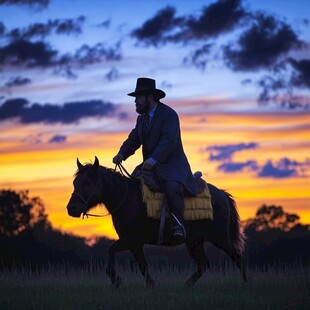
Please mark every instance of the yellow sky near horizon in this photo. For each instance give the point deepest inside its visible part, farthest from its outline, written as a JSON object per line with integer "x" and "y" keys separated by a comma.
{"x": 46, "y": 169}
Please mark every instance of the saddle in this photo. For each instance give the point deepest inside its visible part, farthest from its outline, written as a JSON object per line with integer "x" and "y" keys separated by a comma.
{"x": 196, "y": 207}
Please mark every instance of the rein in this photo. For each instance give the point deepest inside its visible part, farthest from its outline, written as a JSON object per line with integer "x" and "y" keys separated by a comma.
{"x": 86, "y": 201}
{"x": 122, "y": 170}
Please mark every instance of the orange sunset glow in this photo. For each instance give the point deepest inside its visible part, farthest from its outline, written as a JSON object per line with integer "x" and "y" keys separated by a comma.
{"x": 245, "y": 120}
{"x": 47, "y": 171}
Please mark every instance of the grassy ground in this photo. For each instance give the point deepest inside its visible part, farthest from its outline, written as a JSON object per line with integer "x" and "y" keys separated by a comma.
{"x": 89, "y": 288}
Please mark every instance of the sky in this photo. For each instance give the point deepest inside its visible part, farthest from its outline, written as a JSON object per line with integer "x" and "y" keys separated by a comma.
{"x": 237, "y": 72}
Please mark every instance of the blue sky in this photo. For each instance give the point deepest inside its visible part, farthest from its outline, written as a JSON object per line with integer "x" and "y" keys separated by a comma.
{"x": 135, "y": 57}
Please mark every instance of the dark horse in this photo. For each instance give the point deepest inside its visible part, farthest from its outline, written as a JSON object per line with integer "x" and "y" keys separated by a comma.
{"x": 95, "y": 184}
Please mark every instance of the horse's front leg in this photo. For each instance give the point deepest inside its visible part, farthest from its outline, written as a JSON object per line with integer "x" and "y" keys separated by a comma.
{"x": 118, "y": 245}
{"x": 138, "y": 254}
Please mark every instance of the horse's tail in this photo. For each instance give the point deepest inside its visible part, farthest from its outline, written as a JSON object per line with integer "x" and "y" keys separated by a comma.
{"x": 236, "y": 231}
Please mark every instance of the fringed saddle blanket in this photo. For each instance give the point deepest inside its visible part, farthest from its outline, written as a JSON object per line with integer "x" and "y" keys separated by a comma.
{"x": 196, "y": 208}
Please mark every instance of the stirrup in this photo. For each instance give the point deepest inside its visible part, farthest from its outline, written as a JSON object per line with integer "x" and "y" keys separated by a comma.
{"x": 180, "y": 225}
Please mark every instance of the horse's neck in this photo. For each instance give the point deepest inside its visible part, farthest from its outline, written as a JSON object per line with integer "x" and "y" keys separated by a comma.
{"x": 115, "y": 188}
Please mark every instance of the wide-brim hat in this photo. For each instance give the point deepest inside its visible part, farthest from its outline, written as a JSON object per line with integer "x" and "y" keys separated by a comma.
{"x": 147, "y": 86}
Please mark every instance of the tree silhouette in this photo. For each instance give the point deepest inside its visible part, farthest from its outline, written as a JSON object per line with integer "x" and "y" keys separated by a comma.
{"x": 272, "y": 217}
{"x": 19, "y": 212}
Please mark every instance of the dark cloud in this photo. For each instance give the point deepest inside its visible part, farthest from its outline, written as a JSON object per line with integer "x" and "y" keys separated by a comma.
{"x": 200, "y": 57}
{"x": 68, "y": 113}
{"x": 112, "y": 75}
{"x": 284, "y": 168}
{"x": 28, "y": 47}
{"x": 86, "y": 54}
{"x": 301, "y": 75}
{"x": 262, "y": 45}
{"x": 153, "y": 31}
{"x": 58, "y": 139}
{"x": 57, "y": 26}
{"x": 22, "y": 52}
{"x": 69, "y": 26}
{"x": 12, "y": 108}
{"x": 40, "y": 54}
{"x": 17, "y": 81}
{"x": 282, "y": 84}
{"x": 232, "y": 167}
{"x": 213, "y": 20}
{"x": 266, "y": 45}
{"x": 30, "y": 3}
{"x": 225, "y": 152}
{"x": 264, "y": 42}
{"x": 105, "y": 24}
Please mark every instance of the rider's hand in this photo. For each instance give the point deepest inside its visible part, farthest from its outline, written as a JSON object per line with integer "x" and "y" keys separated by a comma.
{"x": 118, "y": 159}
{"x": 149, "y": 164}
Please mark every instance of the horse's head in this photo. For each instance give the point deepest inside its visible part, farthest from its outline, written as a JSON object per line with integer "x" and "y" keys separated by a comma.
{"x": 86, "y": 193}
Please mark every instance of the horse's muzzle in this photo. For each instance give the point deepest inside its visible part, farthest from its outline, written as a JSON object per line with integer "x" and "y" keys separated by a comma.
{"x": 74, "y": 211}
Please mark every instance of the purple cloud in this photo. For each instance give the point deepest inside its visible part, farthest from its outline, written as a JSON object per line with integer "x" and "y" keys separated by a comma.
{"x": 265, "y": 42}
{"x": 232, "y": 167}
{"x": 301, "y": 75}
{"x": 17, "y": 81}
{"x": 153, "y": 31}
{"x": 284, "y": 168}
{"x": 22, "y": 52}
{"x": 262, "y": 44}
{"x": 41, "y": 54}
{"x": 58, "y": 26}
{"x": 58, "y": 139}
{"x": 112, "y": 75}
{"x": 215, "y": 19}
{"x": 279, "y": 87}
{"x": 67, "y": 113}
{"x": 225, "y": 152}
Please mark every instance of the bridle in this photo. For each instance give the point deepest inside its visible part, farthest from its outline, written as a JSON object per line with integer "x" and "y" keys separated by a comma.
{"x": 86, "y": 201}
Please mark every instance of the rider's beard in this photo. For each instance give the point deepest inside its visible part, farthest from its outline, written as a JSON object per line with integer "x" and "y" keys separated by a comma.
{"x": 144, "y": 108}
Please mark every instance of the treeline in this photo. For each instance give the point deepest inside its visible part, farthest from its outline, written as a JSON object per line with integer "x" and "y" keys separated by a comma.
{"x": 28, "y": 238}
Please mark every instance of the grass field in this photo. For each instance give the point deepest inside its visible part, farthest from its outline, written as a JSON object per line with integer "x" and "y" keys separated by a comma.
{"x": 284, "y": 287}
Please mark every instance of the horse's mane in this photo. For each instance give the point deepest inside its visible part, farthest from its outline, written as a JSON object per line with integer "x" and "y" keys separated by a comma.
{"x": 112, "y": 172}
{"x": 78, "y": 171}
{"x": 104, "y": 171}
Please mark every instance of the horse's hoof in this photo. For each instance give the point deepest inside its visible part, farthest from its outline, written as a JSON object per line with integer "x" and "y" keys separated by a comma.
{"x": 150, "y": 283}
{"x": 117, "y": 282}
{"x": 189, "y": 284}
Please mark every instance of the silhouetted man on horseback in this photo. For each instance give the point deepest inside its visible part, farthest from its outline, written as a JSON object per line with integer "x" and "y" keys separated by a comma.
{"x": 158, "y": 131}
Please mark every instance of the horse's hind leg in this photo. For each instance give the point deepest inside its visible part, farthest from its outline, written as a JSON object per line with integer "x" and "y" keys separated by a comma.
{"x": 140, "y": 258}
{"x": 236, "y": 258}
{"x": 240, "y": 263}
{"x": 196, "y": 251}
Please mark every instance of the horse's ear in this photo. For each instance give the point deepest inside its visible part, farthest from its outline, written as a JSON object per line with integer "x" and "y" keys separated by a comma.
{"x": 80, "y": 166}
{"x": 96, "y": 163}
